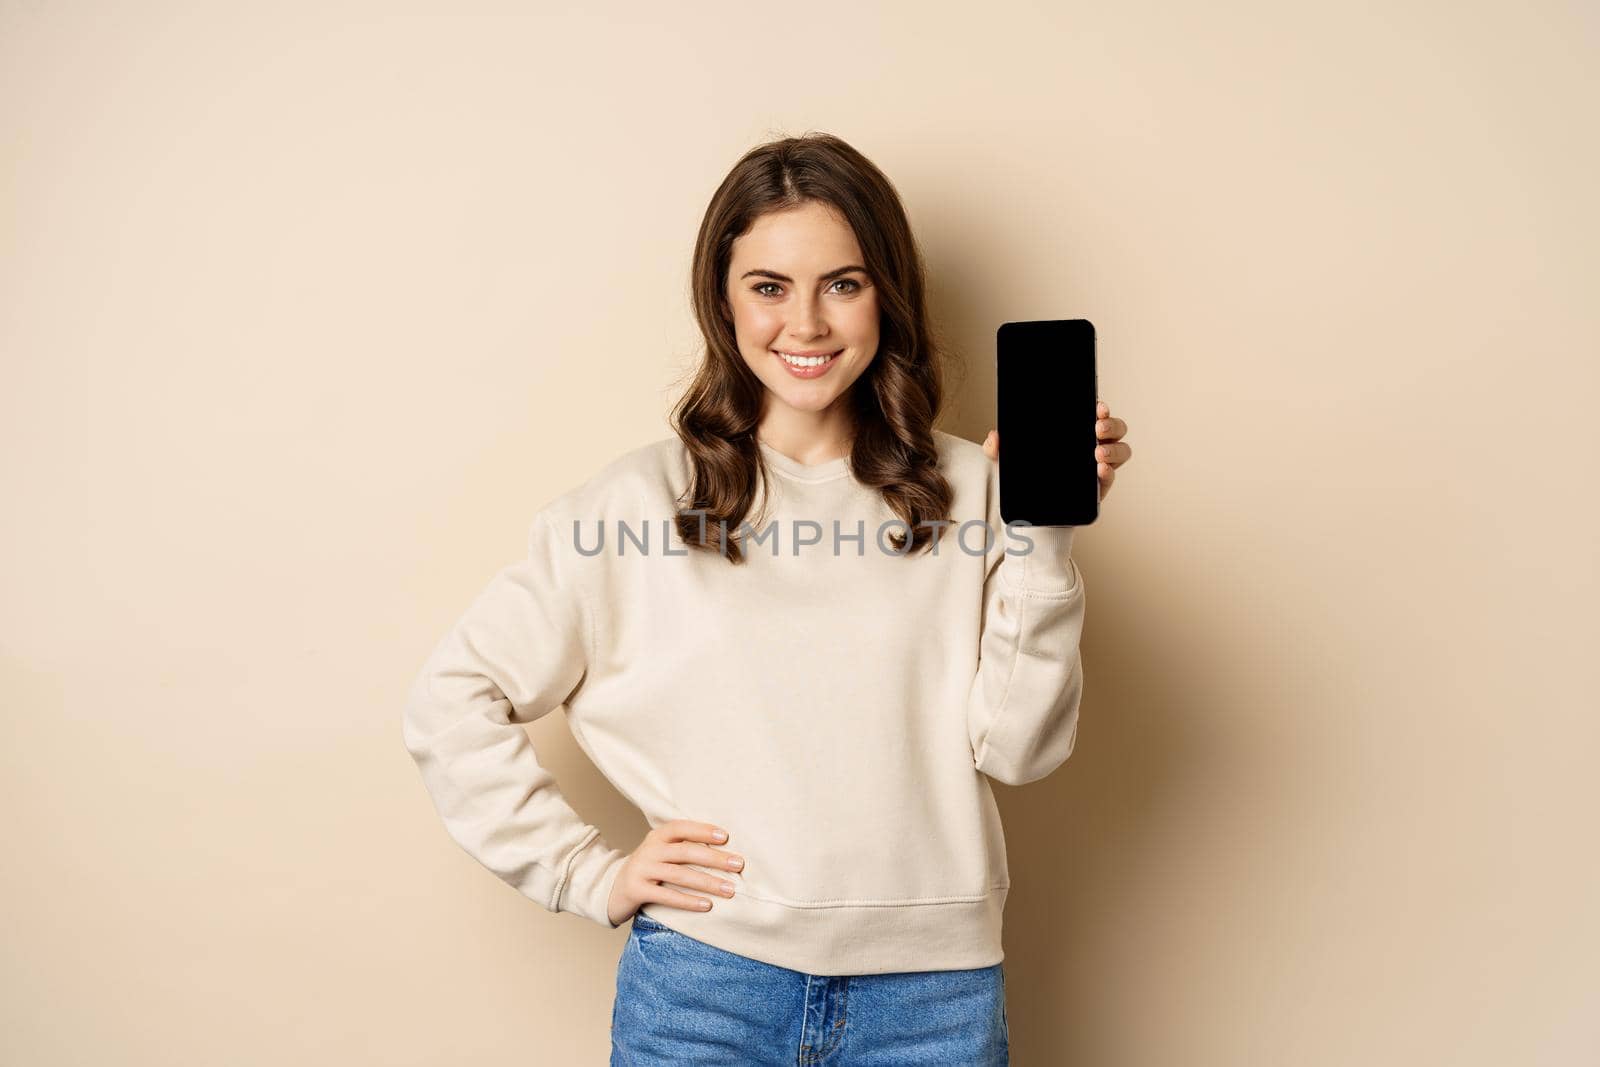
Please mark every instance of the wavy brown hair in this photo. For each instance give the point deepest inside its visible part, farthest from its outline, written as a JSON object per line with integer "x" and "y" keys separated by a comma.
{"x": 893, "y": 404}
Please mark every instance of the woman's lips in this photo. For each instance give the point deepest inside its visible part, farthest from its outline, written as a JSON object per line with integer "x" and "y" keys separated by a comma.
{"x": 807, "y": 372}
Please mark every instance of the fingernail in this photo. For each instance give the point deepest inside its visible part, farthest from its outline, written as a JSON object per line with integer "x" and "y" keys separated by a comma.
{"x": 720, "y": 835}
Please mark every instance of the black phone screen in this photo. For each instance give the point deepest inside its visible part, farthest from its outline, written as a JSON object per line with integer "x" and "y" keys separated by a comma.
{"x": 1047, "y": 396}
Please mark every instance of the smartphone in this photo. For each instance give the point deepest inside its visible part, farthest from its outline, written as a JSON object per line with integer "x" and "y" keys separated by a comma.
{"x": 1047, "y": 394}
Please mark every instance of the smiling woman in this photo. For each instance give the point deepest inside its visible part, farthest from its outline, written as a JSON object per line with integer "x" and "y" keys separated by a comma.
{"x": 808, "y": 287}
{"x": 821, "y": 331}
{"x": 831, "y": 712}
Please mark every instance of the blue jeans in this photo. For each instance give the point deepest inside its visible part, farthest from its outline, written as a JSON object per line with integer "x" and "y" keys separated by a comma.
{"x": 682, "y": 1001}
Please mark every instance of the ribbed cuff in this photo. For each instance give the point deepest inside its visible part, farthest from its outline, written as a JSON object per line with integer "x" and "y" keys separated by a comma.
{"x": 1047, "y": 567}
{"x": 590, "y": 879}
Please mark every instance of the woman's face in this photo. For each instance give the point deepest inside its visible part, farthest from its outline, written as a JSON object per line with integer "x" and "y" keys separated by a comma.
{"x": 796, "y": 284}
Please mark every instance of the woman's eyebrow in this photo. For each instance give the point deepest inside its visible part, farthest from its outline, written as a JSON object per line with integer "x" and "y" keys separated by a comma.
{"x": 834, "y": 273}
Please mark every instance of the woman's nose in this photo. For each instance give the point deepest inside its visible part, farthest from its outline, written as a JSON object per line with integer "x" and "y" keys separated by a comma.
{"x": 808, "y": 320}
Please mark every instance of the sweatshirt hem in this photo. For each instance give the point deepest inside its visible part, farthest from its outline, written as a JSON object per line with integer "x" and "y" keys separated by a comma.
{"x": 849, "y": 939}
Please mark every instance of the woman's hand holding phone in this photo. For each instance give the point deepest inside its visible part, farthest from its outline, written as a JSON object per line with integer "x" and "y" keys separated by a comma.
{"x": 1110, "y": 451}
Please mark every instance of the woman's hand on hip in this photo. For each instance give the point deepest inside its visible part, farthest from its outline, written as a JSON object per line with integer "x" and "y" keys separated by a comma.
{"x": 661, "y": 861}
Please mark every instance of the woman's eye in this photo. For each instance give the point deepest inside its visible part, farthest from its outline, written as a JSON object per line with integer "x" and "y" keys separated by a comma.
{"x": 761, "y": 289}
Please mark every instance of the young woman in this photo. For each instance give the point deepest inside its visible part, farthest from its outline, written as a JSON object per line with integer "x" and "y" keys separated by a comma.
{"x": 797, "y": 635}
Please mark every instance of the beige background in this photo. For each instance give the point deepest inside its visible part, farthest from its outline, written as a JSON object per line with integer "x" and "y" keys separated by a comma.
{"x": 305, "y": 309}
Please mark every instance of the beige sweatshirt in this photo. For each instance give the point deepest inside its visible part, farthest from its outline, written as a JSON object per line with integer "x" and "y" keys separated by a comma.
{"x": 833, "y": 704}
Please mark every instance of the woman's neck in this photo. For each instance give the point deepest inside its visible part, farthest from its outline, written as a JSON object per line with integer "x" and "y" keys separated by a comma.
{"x": 807, "y": 441}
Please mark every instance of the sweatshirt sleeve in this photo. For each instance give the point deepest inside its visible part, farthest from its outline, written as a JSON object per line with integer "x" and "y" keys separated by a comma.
{"x": 519, "y": 651}
{"x": 1022, "y": 713}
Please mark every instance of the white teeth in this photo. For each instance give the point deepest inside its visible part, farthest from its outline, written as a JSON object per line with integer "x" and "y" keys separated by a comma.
{"x": 805, "y": 361}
